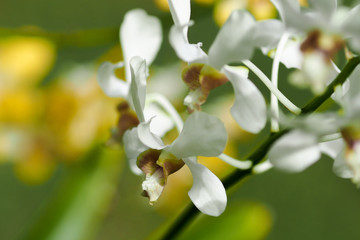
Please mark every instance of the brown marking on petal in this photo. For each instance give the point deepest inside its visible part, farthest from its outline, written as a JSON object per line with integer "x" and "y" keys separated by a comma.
{"x": 169, "y": 163}
{"x": 191, "y": 75}
{"x": 123, "y": 106}
{"x": 311, "y": 42}
{"x": 351, "y": 134}
{"x": 327, "y": 45}
{"x": 146, "y": 161}
{"x": 210, "y": 79}
{"x": 126, "y": 121}
{"x": 172, "y": 166}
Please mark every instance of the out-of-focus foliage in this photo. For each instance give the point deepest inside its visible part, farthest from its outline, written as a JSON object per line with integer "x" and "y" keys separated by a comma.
{"x": 53, "y": 115}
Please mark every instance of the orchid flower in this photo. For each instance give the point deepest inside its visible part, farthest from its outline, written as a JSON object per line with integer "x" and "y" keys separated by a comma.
{"x": 235, "y": 42}
{"x": 201, "y": 135}
{"x": 336, "y": 136}
{"x": 140, "y": 35}
{"x": 314, "y": 37}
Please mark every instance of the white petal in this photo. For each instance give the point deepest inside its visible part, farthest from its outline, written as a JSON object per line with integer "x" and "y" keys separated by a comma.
{"x": 354, "y": 89}
{"x": 332, "y": 148}
{"x": 235, "y": 41}
{"x": 249, "y": 109}
{"x": 148, "y": 138}
{"x": 262, "y": 167}
{"x": 295, "y": 151}
{"x": 351, "y": 23}
{"x": 202, "y": 135}
{"x": 268, "y": 33}
{"x": 207, "y": 193}
{"x": 184, "y": 50}
{"x": 180, "y": 12}
{"x": 292, "y": 17}
{"x": 133, "y": 147}
{"x": 140, "y": 35}
{"x": 292, "y": 57}
{"x": 355, "y": 44}
{"x": 138, "y": 86}
{"x": 109, "y": 83}
{"x": 325, "y": 7}
{"x": 161, "y": 123}
{"x": 341, "y": 167}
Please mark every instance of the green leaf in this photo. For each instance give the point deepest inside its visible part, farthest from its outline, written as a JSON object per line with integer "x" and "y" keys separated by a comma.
{"x": 77, "y": 210}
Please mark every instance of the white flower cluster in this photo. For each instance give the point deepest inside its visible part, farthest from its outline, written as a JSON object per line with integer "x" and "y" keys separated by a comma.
{"x": 305, "y": 40}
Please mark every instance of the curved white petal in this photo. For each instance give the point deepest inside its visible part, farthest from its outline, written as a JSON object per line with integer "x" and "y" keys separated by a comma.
{"x": 294, "y": 20}
{"x": 351, "y": 22}
{"x": 332, "y": 148}
{"x": 138, "y": 86}
{"x": 133, "y": 147}
{"x": 235, "y": 41}
{"x": 109, "y": 83}
{"x": 202, "y": 135}
{"x": 180, "y": 12}
{"x": 207, "y": 193}
{"x": 354, "y": 89}
{"x": 161, "y": 123}
{"x": 341, "y": 167}
{"x": 295, "y": 151}
{"x": 266, "y": 39}
{"x": 249, "y": 109}
{"x": 148, "y": 138}
{"x": 184, "y": 50}
{"x": 325, "y": 7}
{"x": 140, "y": 35}
{"x": 292, "y": 57}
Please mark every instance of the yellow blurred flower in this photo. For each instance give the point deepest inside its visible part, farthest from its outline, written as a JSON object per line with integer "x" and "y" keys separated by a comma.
{"x": 261, "y": 9}
{"x": 20, "y": 106}
{"x": 24, "y": 61}
{"x": 78, "y": 113}
{"x": 303, "y": 3}
{"x": 162, "y": 5}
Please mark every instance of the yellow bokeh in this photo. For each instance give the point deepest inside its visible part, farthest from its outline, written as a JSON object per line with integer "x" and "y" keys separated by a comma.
{"x": 262, "y": 9}
{"x": 24, "y": 61}
{"x": 162, "y": 5}
{"x": 78, "y": 113}
{"x": 303, "y": 3}
{"x": 19, "y": 106}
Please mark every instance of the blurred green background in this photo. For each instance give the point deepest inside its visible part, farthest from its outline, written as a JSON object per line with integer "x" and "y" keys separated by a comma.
{"x": 58, "y": 180}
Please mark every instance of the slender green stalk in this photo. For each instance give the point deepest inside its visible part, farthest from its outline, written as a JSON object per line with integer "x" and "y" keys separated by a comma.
{"x": 236, "y": 176}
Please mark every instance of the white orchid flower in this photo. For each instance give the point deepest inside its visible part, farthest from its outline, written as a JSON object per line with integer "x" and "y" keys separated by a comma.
{"x": 140, "y": 35}
{"x": 314, "y": 37}
{"x": 235, "y": 42}
{"x": 334, "y": 135}
{"x": 201, "y": 135}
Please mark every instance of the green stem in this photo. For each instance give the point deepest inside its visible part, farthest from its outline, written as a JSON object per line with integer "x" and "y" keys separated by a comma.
{"x": 261, "y": 152}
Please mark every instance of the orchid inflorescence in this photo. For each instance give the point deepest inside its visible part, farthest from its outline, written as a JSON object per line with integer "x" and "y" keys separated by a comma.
{"x": 306, "y": 40}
